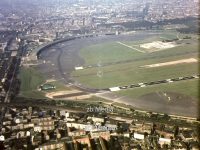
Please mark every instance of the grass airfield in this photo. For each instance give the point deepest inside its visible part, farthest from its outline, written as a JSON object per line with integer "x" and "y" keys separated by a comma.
{"x": 118, "y": 62}
{"x": 128, "y": 57}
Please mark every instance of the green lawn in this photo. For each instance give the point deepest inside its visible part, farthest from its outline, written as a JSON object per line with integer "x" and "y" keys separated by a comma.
{"x": 107, "y": 52}
{"x": 114, "y": 52}
{"x": 33, "y": 94}
{"x": 189, "y": 88}
{"x": 30, "y": 80}
{"x": 128, "y": 73}
{"x": 131, "y": 72}
{"x": 59, "y": 86}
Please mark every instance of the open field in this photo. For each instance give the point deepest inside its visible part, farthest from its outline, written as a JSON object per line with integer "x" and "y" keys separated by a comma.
{"x": 115, "y": 64}
{"x": 130, "y": 50}
{"x": 189, "y": 88}
{"x": 122, "y": 49}
{"x": 180, "y": 98}
{"x": 132, "y": 72}
{"x": 33, "y": 94}
{"x": 173, "y": 62}
{"x": 59, "y": 86}
{"x": 108, "y": 61}
{"x": 127, "y": 74}
{"x": 30, "y": 80}
{"x": 108, "y": 52}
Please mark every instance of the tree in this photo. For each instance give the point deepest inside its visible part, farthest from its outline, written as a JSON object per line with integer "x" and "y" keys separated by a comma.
{"x": 166, "y": 117}
{"x": 132, "y": 110}
{"x": 176, "y": 131}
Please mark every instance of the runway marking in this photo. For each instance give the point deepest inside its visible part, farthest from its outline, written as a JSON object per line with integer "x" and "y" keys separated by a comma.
{"x": 130, "y": 47}
{"x": 181, "y": 61}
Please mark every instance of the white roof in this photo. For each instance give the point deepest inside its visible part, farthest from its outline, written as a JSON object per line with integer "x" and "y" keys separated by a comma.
{"x": 2, "y": 138}
{"x": 14, "y": 53}
{"x": 138, "y": 136}
{"x": 164, "y": 140}
{"x": 78, "y": 68}
{"x": 113, "y": 89}
{"x": 28, "y": 133}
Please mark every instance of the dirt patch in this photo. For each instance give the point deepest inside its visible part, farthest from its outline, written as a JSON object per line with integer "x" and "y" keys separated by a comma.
{"x": 50, "y": 80}
{"x": 170, "y": 103}
{"x": 189, "y": 60}
{"x": 72, "y": 95}
{"x": 80, "y": 97}
{"x": 59, "y": 93}
{"x": 157, "y": 46}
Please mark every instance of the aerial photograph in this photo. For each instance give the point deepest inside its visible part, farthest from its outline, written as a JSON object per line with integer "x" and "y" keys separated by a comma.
{"x": 99, "y": 75}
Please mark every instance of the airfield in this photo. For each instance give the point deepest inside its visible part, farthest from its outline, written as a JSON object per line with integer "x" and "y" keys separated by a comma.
{"x": 130, "y": 65}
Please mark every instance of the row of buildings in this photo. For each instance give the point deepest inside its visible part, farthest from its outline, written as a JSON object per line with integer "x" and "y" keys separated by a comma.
{"x": 9, "y": 46}
{"x": 46, "y": 129}
{"x": 61, "y": 18}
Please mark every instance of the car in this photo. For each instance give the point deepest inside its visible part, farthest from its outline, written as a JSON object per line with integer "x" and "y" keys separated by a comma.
{"x": 186, "y": 78}
{"x": 149, "y": 83}
{"x": 143, "y": 85}
{"x": 175, "y": 79}
{"x": 123, "y": 87}
{"x": 169, "y": 80}
{"x": 196, "y": 76}
{"x": 140, "y": 83}
{"x": 190, "y": 77}
{"x": 180, "y": 78}
{"x": 134, "y": 85}
{"x": 106, "y": 89}
{"x": 157, "y": 82}
{"x": 162, "y": 81}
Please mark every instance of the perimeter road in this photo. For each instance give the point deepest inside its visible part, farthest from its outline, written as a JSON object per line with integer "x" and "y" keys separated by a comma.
{"x": 130, "y": 47}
